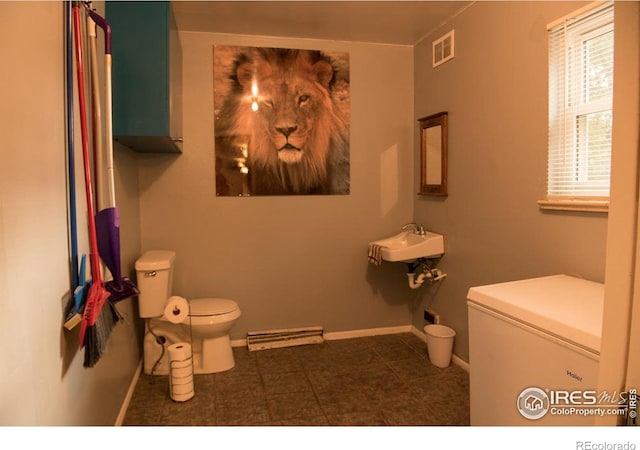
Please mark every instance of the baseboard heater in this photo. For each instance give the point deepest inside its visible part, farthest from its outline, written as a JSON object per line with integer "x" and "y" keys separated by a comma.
{"x": 262, "y": 340}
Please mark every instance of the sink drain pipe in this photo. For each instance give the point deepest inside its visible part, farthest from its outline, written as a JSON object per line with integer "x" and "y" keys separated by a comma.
{"x": 415, "y": 281}
{"x": 420, "y": 271}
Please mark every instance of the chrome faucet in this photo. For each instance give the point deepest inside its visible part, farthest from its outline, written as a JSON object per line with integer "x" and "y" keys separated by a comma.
{"x": 417, "y": 229}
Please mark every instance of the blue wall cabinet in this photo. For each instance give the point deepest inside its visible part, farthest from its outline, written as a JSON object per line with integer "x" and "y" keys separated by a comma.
{"x": 147, "y": 76}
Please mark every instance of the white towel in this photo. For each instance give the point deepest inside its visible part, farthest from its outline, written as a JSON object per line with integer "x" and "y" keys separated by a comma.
{"x": 375, "y": 254}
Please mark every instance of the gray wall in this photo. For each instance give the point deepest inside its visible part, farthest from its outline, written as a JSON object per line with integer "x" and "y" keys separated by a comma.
{"x": 290, "y": 261}
{"x": 495, "y": 90}
{"x": 44, "y": 382}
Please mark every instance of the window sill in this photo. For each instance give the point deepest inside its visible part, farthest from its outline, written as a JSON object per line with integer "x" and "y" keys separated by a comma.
{"x": 595, "y": 206}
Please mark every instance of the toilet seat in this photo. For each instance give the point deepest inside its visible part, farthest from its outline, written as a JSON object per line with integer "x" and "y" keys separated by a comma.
{"x": 203, "y": 307}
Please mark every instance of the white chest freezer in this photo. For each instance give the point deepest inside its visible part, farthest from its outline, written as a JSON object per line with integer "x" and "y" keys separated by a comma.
{"x": 530, "y": 341}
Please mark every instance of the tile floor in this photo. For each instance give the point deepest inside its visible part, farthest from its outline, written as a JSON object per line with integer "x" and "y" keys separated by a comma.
{"x": 378, "y": 380}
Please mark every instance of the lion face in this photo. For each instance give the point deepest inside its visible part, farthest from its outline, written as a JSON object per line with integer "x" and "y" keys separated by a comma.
{"x": 289, "y": 111}
{"x": 290, "y": 99}
{"x": 295, "y": 138}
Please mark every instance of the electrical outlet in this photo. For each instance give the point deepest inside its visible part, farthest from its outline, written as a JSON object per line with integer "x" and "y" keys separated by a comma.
{"x": 430, "y": 316}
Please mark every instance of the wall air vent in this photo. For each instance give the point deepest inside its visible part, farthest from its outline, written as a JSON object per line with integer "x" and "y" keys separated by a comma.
{"x": 443, "y": 49}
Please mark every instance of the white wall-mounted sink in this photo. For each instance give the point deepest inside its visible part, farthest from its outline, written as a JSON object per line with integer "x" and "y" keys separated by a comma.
{"x": 408, "y": 246}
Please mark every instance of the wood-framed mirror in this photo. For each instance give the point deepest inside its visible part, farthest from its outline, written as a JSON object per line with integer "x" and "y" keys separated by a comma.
{"x": 433, "y": 154}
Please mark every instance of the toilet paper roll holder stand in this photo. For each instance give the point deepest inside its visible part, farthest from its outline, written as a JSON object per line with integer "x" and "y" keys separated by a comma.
{"x": 174, "y": 381}
{"x": 175, "y": 365}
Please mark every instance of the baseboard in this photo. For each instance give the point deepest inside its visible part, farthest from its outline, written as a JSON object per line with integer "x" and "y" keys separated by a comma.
{"x": 337, "y": 335}
{"x": 238, "y": 342}
{"x": 127, "y": 398}
{"x": 460, "y": 363}
{"x": 454, "y": 358}
{"x": 419, "y": 333}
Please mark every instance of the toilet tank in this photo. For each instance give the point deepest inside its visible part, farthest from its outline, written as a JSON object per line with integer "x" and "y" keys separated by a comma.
{"x": 154, "y": 272}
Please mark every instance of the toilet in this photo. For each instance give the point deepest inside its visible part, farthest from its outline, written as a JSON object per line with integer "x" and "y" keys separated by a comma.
{"x": 206, "y": 326}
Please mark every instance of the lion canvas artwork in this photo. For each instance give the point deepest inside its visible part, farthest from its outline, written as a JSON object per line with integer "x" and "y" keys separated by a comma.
{"x": 281, "y": 119}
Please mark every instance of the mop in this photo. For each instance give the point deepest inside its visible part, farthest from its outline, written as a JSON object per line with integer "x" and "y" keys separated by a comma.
{"x": 108, "y": 219}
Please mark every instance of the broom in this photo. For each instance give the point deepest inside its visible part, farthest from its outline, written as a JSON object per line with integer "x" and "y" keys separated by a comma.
{"x": 97, "y": 322}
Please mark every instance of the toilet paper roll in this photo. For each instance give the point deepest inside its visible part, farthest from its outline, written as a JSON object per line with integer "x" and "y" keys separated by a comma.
{"x": 182, "y": 389}
{"x": 186, "y": 364}
{"x": 182, "y": 392}
{"x": 182, "y": 397}
{"x": 180, "y": 351}
{"x": 177, "y": 309}
{"x": 181, "y": 371}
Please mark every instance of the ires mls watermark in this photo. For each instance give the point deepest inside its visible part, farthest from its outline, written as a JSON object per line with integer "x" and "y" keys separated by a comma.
{"x": 534, "y": 403}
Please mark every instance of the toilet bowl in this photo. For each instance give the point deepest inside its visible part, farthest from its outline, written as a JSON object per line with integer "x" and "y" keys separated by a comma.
{"x": 206, "y": 326}
{"x": 210, "y": 320}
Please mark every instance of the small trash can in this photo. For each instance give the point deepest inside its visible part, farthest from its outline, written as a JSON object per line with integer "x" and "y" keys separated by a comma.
{"x": 439, "y": 344}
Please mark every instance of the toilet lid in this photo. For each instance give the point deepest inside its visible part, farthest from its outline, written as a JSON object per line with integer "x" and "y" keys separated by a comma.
{"x": 211, "y": 306}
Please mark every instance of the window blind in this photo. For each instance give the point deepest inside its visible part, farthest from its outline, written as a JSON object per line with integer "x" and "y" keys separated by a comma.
{"x": 580, "y": 105}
